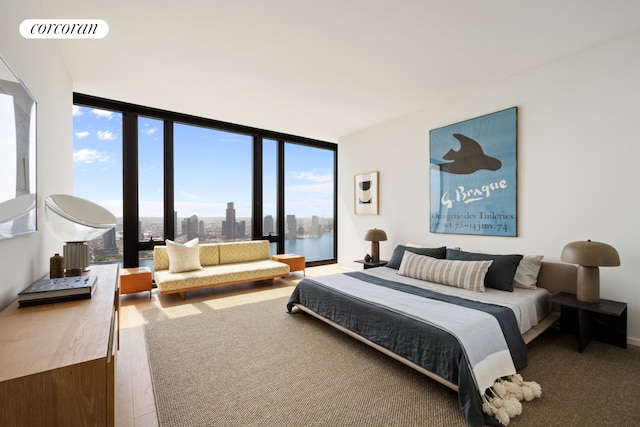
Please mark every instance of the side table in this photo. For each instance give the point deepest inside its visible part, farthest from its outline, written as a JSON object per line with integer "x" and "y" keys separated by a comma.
{"x": 372, "y": 264}
{"x": 295, "y": 262}
{"x": 135, "y": 279}
{"x": 604, "y": 321}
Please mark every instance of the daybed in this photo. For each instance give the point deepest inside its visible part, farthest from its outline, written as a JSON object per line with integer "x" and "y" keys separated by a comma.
{"x": 472, "y": 341}
{"x": 181, "y": 268}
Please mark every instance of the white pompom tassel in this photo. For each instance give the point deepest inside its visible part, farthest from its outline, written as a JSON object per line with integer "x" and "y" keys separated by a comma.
{"x": 502, "y": 401}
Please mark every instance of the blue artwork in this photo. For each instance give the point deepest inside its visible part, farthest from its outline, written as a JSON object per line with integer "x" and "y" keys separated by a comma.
{"x": 473, "y": 176}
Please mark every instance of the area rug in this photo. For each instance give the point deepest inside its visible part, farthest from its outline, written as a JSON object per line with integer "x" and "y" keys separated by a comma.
{"x": 256, "y": 365}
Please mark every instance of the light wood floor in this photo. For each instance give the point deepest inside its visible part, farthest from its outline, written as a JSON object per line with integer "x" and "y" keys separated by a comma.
{"x": 135, "y": 403}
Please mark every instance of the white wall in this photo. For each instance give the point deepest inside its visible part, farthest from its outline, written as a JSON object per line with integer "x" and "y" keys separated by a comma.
{"x": 578, "y": 166}
{"x": 38, "y": 64}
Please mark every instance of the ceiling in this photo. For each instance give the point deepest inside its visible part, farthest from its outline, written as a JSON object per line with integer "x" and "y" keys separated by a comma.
{"x": 322, "y": 68}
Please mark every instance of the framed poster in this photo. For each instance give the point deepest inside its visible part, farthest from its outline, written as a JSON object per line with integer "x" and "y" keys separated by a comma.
{"x": 473, "y": 176}
{"x": 366, "y": 194}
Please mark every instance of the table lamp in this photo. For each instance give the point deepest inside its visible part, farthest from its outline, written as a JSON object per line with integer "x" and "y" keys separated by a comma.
{"x": 375, "y": 236}
{"x": 589, "y": 256}
{"x": 75, "y": 221}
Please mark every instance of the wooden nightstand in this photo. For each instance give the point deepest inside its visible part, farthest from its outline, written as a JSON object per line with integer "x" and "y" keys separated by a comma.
{"x": 136, "y": 279}
{"x": 371, "y": 264}
{"x": 605, "y": 321}
{"x": 295, "y": 262}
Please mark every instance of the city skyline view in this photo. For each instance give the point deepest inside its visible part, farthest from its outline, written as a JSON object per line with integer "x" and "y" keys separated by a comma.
{"x": 212, "y": 185}
{"x": 211, "y": 168}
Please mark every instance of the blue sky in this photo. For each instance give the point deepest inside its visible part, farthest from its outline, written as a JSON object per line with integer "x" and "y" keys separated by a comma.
{"x": 211, "y": 168}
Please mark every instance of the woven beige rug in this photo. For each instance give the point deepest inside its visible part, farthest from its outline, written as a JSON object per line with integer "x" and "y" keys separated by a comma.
{"x": 256, "y": 365}
{"x": 253, "y": 364}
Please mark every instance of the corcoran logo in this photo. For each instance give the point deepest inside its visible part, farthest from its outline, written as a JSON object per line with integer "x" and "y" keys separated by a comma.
{"x": 64, "y": 29}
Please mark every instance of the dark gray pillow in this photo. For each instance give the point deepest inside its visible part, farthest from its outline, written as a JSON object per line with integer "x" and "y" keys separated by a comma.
{"x": 398, "y": 253}
{"x": 501, "y": 271}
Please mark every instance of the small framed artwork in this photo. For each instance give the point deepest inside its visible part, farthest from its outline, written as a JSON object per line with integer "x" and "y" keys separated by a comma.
{"x": 366, "y": 194}
{"x": 473, "y": 176}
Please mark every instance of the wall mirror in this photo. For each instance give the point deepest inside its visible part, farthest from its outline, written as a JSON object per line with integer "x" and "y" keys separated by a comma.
{"x": 17, "y": 156}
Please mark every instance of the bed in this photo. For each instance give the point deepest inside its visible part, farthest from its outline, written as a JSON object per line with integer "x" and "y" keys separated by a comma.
{"x": 468, "y": 340}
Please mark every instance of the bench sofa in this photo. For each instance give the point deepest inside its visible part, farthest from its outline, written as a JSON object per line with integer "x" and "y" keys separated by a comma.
{"x": 221, "y": 264}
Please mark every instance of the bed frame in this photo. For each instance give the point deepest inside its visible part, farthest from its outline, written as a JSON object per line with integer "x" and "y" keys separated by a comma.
{"x": 554, "y": 277}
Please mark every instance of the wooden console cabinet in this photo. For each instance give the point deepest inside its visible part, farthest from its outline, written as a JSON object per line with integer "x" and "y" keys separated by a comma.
{"x": 58, "y": 361}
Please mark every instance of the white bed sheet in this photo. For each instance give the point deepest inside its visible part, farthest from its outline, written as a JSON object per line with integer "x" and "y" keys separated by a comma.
{"x": 529, "y": 305}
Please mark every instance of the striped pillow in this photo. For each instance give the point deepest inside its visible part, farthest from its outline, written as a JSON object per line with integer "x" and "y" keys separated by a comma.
{"x": 461, "y": 274}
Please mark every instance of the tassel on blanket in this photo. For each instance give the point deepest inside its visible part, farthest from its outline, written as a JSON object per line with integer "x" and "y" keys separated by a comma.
{"x": 502, "y": 400}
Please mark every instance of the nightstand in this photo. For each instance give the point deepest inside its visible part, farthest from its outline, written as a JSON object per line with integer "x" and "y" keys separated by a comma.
{"x": 604, "y": 321}
{"x": 136, "y": 279}
{"x": 371, "y": 264}
{"x": 295, "y": 262}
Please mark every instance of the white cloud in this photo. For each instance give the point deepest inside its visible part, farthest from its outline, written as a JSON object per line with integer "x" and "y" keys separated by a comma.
{"x": 81, "y": 135}
{"x": 106, "y": 135}
{"x": 307, "y": 182}
{"x": 152, "y": 131}
{"x": 102, "y": 113}
{"x": 189, "y": 196}
{"x": 77, "y": 111}
{"x": 314, "y": 177}
{"x": 89, "y": 156}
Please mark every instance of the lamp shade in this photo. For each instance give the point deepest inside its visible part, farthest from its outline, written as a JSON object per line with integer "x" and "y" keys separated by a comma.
{"x": 16, "y": 207}
{"x": 590, "y": 254}
{"x": 375, "y": 235}
{"x": 72, "y": 219}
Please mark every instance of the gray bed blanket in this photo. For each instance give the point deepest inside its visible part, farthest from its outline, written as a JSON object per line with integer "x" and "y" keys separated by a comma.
{"x": 391, "y": 315}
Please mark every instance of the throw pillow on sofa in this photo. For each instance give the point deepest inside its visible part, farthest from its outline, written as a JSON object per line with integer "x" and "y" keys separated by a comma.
{"x": 183, "y": 257}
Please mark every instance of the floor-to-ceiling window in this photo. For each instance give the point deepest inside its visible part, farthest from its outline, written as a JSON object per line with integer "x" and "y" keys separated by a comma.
{"x": 97, "y": 172}
{"x": 270, "y": 196}
{"x": 212, "y": 176}
{"x": 309, "y": 201}
{"x": 167, "y": 175}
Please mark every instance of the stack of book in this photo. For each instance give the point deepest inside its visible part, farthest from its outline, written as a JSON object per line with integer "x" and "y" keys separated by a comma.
{"x": 47, "y": 291}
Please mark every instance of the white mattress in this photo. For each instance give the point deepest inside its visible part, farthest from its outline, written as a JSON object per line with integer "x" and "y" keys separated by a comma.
{"x": 529, "y": 305}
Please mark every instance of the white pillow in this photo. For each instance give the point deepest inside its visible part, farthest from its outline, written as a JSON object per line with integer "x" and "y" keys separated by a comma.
{"x": 461, "y": 274}
{"x": 183, "y": 257}
{"x": 526, "y": 276}
{"x": 414, "y": 245}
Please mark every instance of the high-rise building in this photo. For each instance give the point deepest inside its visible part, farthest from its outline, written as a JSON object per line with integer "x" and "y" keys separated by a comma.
{"x": 109, "y": 239}
{"x": 191, "y": 227}
{"x": 315, "y": 226}
{"x": 292, "y": 227}
{"x": 231, "y": 230}
{"x": 241, "y": 230}
{"x": 269, "y": 226}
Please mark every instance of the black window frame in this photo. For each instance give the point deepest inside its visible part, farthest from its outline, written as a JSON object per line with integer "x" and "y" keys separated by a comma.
{"x": 130, "y": 114}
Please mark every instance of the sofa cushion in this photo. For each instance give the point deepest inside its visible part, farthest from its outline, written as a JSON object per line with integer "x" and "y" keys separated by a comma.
{"x": 253, "y": 250}
{"x": 160, "y": 258}
{"x": 183, "y": 257}
{"x": 209, "y": 254}
{"x": 220, "y": 274}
